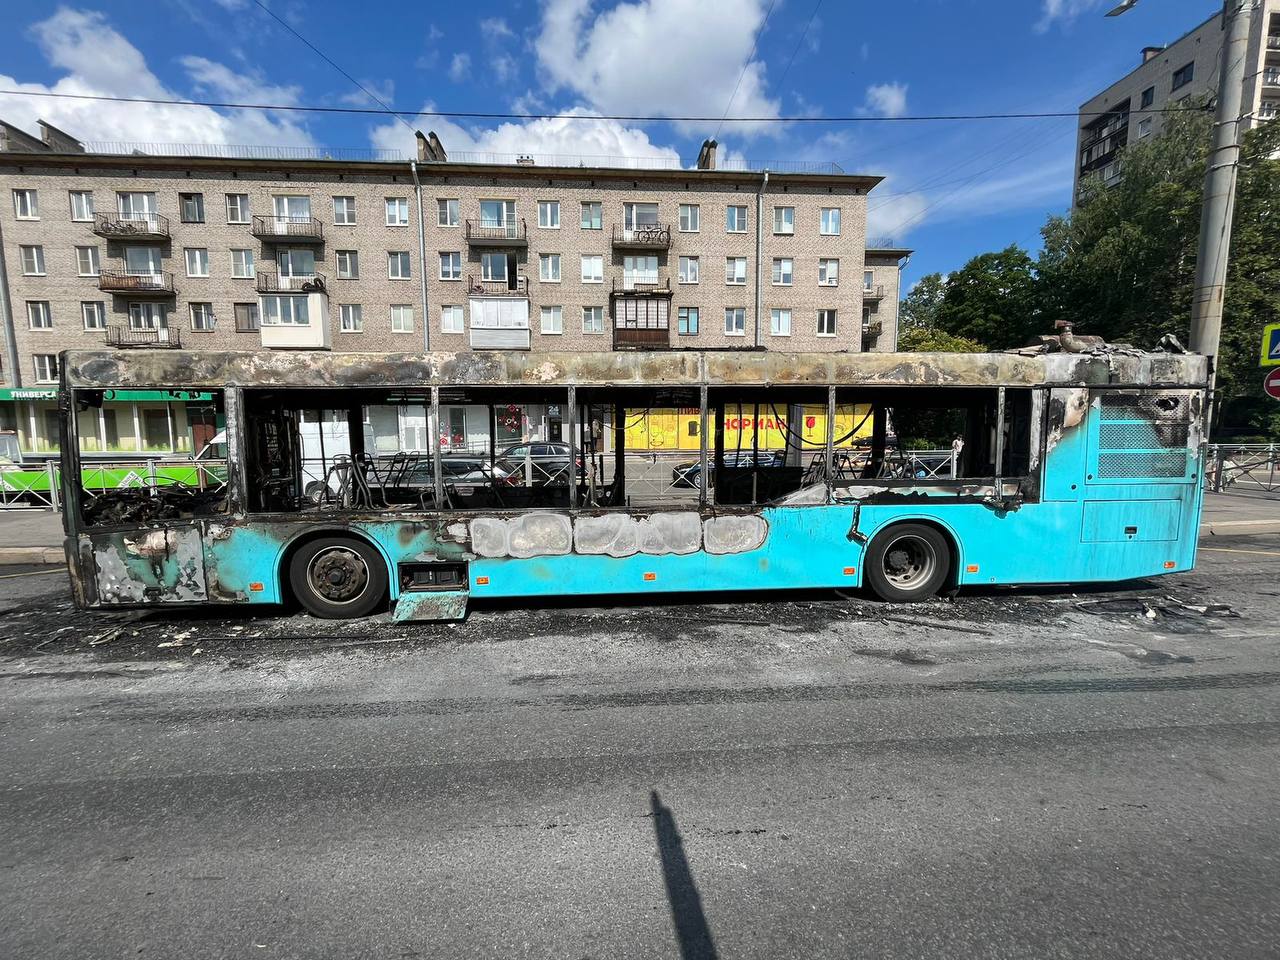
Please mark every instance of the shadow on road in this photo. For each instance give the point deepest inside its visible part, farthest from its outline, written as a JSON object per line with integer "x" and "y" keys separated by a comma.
{"x": 692, "y": 931}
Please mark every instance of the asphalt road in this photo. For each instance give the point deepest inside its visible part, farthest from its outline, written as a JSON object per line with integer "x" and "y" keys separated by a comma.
{"x": 1007, "y": 775}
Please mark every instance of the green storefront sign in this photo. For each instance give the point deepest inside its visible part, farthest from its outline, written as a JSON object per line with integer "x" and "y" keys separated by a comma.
{"x": 119, "y": 396}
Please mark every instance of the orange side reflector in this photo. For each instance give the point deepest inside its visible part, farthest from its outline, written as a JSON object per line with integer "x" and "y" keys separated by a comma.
{"x": 850, "y": 571}
{"x": 651, "y": 576}
{"x": 255, "y": 587}
{"x": 1169, "y": 564}
{"x": 971, "y": 568}
{"x": 481, "y": 581}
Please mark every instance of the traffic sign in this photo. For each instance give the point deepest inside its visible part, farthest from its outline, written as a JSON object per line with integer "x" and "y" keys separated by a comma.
{"x": 1271, "y": 345}
{"x": 1271, "y": 384}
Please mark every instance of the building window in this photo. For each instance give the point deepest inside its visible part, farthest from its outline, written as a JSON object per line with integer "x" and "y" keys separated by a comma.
{"x": 553, "y": 320}
{"x": 687, "y": 321}
{"x": 592, "y": 269}
{"x": 398, "y": 265}
{"x": 344, "y": 211}
{"x": 829, "y": 222}
{"x": 637, "y": 216}
{"x": 26, "y": 205}
{"x": 735, "y": 321}
{"x": 147, "y": 316}
{"x": 397, "y": 212}
{"x": 735, "y": 270}
{"x": 828, "y": 273}
{"x": 87, "y": 264}
{"x": 642, "y": 270}
{"x": 1184, "y": 75}
{"x": 291, "y": 208}
{"x": 38, "y": 315}
{"x": 401, "y": 318}
{"x": 593, "y": 319}
{"x": 451, "y": 319}
{"x": 348, "y": 264}
{"x": 592, "y": 216}
{"x": 447, "y": 212}
{"x": 784, "y": 219}
{"x": 81, "y": 204}
{"x": 451, "y": 265}
{"x": 549, "y": 214}
{"x": 285, "y": 312}
{"x": 46, "y": 365}
{"x": 735, "y": 219}
{"x": 242, "y": 264}
{"x": 237, "y": 208}
{"x": 94, "y": 314}
{"x": 499, "y": 214}
{"x": 868, "y": 281}
{"x": 32, "y": 261}
{"x": 689, "y": 218}
{"x": 197, "y": 261}
{"x": 191, "y": 207}
{"x": 780, "y": 322}
{"x": 202, "y": 316}
{"x": 246, "y": 315}
{"x": 688, "y": 269}
{"x": 493, "y": 266}
{"x": 826, "y": 323}
{"x": 350, "y": 318}
{"x": 783, "y": 270}
{"x": 1148, "y": 98}
{"x": 549, "y": 267}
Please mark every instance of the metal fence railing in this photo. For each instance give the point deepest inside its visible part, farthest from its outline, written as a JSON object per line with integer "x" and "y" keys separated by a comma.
{"x": 38, "y": 485}
{"x": 1245, "y": 467}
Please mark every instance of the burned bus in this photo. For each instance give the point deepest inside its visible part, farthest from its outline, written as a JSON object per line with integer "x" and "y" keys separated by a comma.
{"x": 806, "y": 471}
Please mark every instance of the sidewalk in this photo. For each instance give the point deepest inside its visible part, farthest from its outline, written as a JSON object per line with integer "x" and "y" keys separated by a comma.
{"x": 35, "y": 536}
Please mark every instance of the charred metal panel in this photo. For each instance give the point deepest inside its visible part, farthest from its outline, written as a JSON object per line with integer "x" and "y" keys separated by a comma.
{"x": 149, "y": 566}
{"x": 431, "y": 605}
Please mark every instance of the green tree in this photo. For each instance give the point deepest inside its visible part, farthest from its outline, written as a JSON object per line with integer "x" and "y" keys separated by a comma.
{"x": 928, "y": 340}
{"x": 919, "y": 308}
{"x": 994, "y": 299}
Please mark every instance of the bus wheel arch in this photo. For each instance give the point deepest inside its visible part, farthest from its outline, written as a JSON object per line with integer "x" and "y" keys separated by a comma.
{"x": 911, "y": 559}
{"x": 335, "y": 573}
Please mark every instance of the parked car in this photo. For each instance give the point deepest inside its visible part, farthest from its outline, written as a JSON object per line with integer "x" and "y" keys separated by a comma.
{"x": 546, "y": 461}
{"x": 686, "y": 474}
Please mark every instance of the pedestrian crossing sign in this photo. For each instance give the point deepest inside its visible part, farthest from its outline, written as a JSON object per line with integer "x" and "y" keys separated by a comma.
{"x": 1271, "y": 345}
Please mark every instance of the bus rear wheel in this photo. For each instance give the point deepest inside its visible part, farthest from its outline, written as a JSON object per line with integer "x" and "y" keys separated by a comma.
{"x": 338, "y": 578}
{"x": 908, "y": 562}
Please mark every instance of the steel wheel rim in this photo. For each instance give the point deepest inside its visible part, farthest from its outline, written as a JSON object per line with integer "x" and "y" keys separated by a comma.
{"x": 338, "y": 575}
{"x": 909, "y": 561}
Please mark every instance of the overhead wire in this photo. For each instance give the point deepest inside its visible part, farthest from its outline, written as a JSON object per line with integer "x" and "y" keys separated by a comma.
{"x": 746, "y": 65}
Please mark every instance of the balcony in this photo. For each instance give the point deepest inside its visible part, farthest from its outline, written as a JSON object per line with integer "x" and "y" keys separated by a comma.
{"x": 1271, "y": 78}
{"x": 131, "y": 226}
{"x": 874, "y": 292}
{"x": 630, "y": 287}
{"x": 146, "y": 337}
{"x": 271, "y": 282}
{"x": 136, "y": 284}
{"x": 288, "y": 229}
{"x": 514, "y": 287}
{"x": 644, "y": 236}
{"x": 500, "y": 338}
{"x": 641, "y": 338}
{"x": 1273, "y": 41}
{"x": 497, "y": 233}
{"x": 871, "y": 328}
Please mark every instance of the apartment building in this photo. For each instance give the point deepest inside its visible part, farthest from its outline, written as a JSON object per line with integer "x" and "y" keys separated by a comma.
{"x": 381, "y": 254}
{"x": 1185, "y": 71}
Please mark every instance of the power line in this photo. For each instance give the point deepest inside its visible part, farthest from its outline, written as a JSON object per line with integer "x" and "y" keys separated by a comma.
{"x": 796, "y": 49}
{"x": 745, "y": 66}
{"x": 621, "y": 117}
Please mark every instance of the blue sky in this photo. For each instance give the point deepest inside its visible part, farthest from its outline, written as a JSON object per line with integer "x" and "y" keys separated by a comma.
{"x": 953, "y": 189}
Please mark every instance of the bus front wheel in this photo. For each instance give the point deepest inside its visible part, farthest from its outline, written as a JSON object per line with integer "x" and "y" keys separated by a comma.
{"x": 908, "y": 562}
{"x": 338, "y": 578}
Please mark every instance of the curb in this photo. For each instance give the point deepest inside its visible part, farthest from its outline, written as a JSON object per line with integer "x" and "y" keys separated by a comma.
{"x": 1238, "y": 528}
{"x": 38, "y": 555}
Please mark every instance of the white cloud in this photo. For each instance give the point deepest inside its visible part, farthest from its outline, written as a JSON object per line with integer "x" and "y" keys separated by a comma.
{"x": 99, "y": 61}
{"x": 1063, "y": 11}
{"x": 384, "y": 90}
{"x": 459, "y": 67}
{"x": 893, "y": 218}
{"x": 651, "y": 57}
{"x": 495, "y": 28}
{"x": 887, "y": 99}
{"x": 592, "y": 137}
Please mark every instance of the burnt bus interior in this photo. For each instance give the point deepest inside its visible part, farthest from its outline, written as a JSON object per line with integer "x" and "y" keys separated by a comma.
{"x": 320, "y": 451}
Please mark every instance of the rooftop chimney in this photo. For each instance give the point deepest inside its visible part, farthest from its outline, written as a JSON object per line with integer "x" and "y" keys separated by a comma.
{"x": 59, "y": 141}
{"x": 15, "y": 140}
{"x": 430, "y": 149}
{"x": 1149, "y": 53}
{"x": 707, "y": 155}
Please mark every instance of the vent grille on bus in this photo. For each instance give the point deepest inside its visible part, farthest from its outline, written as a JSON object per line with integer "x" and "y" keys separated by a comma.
{"x": 1143, "y": 436}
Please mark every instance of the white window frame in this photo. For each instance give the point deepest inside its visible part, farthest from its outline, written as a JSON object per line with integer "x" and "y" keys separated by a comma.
{"x": 50, "y": 363}
{"x": 551, "y": 320}
{"x": 352, "y": 258}
{"x": 631, "y": 210}
{"x": 508, "y": 221}
{"x": 206, "y": 313}
{"x": 399, "y": 265}
{"x": 399, "y": 311}
{"x": 639, "y": 269}
{"x": 784, "y": 221}
{"x": 36, "y": 257}
{"x": 243, "y": 266}
{"x": 42, "y": 309}
{"x": 98, "y": 310}
{"x": 346, "y": 205}
{"x": 94, "y": 264}
{"x": 829, "y": 217}
{"x": 448, "y": 212}
{"x": 452, "y": 319}
{"x": 731, "y": 217}
{"x": 594, "y": 313}
{"x": 187, "y": 253}
{"x": 692, "y": 275}
{"x": 241, "y": 214}
{"x": 86, "y": 199}
{"x": 397, "y": 210}
{"x": 690, "y": 218}
{"x": 835, "y": 320}
{"x": 826, "y": 276}
{"x": 780, "y": 322}
{"x": 454, "y": 257}
{"x": 148, "y": 316}
{"x": 487, "y": 263}
{"x": 731, "y": 265}
{"x": 593, "y": 259}
{"x": 282, "y": 205}
{"x": 350, "y": 318}
{"x": 868, "y": 281}
{"x": 784, "y": 271}
{"x": 549, "y": 267}
{"x": 596, "y": 207}
{"x": 731, "y": 315}
{"x": 549, "y": 214}
{"x": 28, "y": 199}
{"x": 274, "y": 314}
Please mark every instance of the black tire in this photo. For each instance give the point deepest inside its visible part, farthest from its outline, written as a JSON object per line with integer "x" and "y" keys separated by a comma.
{"x": 338, "y": 578}
{"x": 907, "y": 562}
